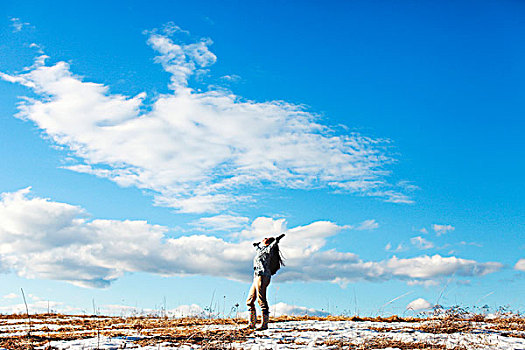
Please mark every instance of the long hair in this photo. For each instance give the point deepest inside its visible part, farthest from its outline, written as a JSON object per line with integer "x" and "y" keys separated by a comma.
{"x": 276, "y": 259}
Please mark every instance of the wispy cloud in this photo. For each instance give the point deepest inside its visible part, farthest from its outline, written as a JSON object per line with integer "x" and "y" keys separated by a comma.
{"x": 191, "y": 310}
{"x": 221, "y": 223}
{"x": 442, "y": 229}
{"x": 41, "y": 238}
{"x": 474, "y": 244}
{"x": 18, "y": 25}
{"x": 421, "y": 243}
{"x": 367, "y": 225}
{"x": 10, "y": 296}
{"x": 41, "y": 59}
{"x": 407, "y": 185}
{"x": 199, "y": 151}
{"x": 231, "y": 78}
{"x": 41, "y": 306}
{"x": 425, "y": 283}
{"x": 400, "y": 248}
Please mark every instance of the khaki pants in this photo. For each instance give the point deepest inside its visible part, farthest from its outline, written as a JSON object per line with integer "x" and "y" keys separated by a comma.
{"x": 258, "y": 290}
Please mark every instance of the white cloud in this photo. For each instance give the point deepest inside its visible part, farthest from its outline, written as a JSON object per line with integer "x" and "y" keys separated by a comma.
{"x": 419, "y": 305}
{"x": 42, "y": 306}
{"x": 421, "y": 243}
{"x": 195, "y": 310}
{"x": 520, "y": 265}
{"x": 400, "y": 248}
{"x": 10, "y": 296}
{"x": 442, "y": 229}
{"x": 423, "y": 230}
{"x": 221, "y": 222}
{"x": 281, "y": 309}
{"x": 368, "y": 225}
{"x": 187, "y": 311}
{"x": 263, "y": 227}
{"x": 198, "y": 151}
{"x": 393, "y": 196}
{"x": 121, "y": 310}
{"x": 474, "y": 244}
{"x": 407, "y": 185}
{"x": 43, "y": 239}
{"x": 425, "y": 283}
{"x": 231, "y": 78}
{"x": 34, "y": 297}
{"x": 429, "y": 267}
{"x": 192, "y": 310}
{"x": 18, "y": 25}
{"x": 126, "y": 310}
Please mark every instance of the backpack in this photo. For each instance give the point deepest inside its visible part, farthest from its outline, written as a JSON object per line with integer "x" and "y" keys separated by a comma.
{"x": 276, "y": 259}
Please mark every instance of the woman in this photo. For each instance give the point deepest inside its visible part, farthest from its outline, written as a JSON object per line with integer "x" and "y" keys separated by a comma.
{"x": 265, "y": 264}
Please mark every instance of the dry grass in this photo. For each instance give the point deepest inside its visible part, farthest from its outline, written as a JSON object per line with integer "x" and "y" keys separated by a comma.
{"x": 192, "y": 330}
{"x": 389, "y": 319}
{"x": 385, "y": 343}
{"x": 56, "y": 327}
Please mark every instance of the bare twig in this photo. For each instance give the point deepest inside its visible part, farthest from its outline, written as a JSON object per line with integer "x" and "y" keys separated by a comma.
{"x": 380, "y": 310}
{"x": 211, "y": 304}
{"x": 27, "y": 312}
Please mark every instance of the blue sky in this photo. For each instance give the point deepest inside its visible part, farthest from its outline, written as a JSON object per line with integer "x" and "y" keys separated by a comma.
{"x": 145, "y": 146}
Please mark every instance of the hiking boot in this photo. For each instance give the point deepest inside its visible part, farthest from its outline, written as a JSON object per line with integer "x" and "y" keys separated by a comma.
{"x": 253, "y": 319}
{"x": 264, "y": 324}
